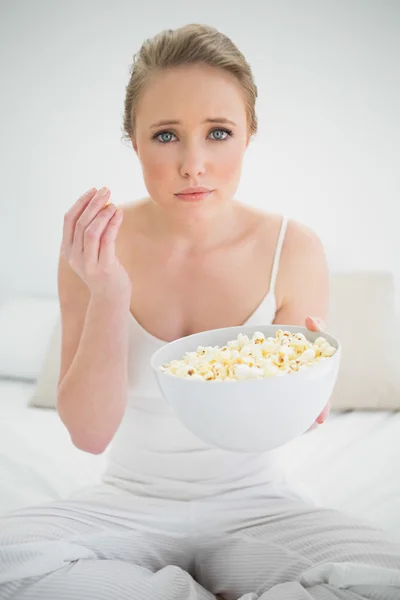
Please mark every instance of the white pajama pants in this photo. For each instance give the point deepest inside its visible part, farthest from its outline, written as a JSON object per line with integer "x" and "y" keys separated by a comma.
{"x": 107, "y": 544}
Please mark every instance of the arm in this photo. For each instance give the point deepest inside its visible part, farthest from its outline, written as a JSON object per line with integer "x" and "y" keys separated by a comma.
{"x": 93, "y": 376}
{"x": 303, "y": 284}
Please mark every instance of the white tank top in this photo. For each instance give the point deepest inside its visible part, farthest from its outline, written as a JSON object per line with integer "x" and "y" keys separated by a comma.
{"x": 154, "y": 455}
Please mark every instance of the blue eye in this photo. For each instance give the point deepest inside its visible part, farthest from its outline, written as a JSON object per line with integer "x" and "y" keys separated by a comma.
{"x": 221, "y": 134}
{"x": 164, "y": 137}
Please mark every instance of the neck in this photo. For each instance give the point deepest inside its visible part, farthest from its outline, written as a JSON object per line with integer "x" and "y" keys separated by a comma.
{"x": 199, "y": 230}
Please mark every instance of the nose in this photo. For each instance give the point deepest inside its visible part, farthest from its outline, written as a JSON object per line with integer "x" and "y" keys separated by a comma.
{"x": 192, "y": 162}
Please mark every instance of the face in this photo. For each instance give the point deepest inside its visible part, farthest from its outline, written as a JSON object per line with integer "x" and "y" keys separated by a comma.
{"x": 191, "y": 131}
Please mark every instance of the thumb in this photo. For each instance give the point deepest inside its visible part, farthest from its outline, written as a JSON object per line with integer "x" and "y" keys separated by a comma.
{"x": 315, "y": 324}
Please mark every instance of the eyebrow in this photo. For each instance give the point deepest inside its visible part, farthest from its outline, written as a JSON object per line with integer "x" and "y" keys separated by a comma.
{"x": 213, "y": 120}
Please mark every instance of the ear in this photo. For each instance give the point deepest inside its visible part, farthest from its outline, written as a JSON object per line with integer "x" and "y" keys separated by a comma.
{"x": 134, "y": 144}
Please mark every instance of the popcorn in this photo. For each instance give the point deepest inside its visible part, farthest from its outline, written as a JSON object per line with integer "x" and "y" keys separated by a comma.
{"x": 255, "y": 358}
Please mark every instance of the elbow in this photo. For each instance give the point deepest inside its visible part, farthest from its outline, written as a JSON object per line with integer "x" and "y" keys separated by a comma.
{"x": 91, "y": 446}
{"x": 91, "y": 442}
{"x": 84, "y": 438}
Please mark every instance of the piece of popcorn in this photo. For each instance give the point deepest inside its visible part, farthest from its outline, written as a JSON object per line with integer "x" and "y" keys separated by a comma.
{"x": 300, "y": 336}
{"x": 258, "y": 338}
{"x": 269, "y": 346}
{"x": 280, "y": 358}
{"x": 246, "y": 350}
{"x": 307, "y": 355}
{"x": 242, "y": 340}
{"x": 270, "y": 369}
{"x": 300, "y": 345}
{"x": 289, "y": 351}
{"x": 328, "y": 350}
{"x": 247, "y": 372}
{"x": 220, "y": 371}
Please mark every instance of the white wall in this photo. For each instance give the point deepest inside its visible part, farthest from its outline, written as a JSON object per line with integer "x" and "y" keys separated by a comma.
{"x": 327, "y": 151}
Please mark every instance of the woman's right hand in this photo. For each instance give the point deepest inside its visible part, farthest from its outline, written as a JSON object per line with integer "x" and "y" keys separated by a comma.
{"x": 88, "y": 244}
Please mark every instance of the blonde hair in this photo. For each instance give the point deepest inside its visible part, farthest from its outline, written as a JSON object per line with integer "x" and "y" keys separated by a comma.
{"x": 189, "y": 44}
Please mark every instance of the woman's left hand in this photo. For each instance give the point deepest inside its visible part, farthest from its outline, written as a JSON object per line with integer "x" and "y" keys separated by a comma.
{"x": 316, "y": 324}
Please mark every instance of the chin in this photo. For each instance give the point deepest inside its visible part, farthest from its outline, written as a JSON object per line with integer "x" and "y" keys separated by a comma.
{"x": 204, "y": 209}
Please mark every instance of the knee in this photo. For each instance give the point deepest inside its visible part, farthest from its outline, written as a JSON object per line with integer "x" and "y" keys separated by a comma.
{"x": 172, "y": 572}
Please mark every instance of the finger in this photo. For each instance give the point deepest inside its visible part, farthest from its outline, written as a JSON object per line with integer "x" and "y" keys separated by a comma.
{"x": 98, "y": 202}
{"x": 71, "y": 217}
{"x": 325, "y": 413}
{"x": 92, "y": 236}
{"x": 107, "y": 244}
{"x": 315, "y": 324}
{"x": 321, "y": 419}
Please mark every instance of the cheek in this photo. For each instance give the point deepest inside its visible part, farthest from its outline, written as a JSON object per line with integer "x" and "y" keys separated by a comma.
{"x": 157, "y": 166}
{"x": 229, "y": 162}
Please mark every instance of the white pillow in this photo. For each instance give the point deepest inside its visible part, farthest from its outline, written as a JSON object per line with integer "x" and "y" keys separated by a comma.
{"x": 26, "y": 324}
{"x": 45, "y": 394}
{"x": 362, "y": 316}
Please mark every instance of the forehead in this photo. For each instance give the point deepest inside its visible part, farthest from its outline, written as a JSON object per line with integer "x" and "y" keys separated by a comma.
{"x": 194, "y": 92}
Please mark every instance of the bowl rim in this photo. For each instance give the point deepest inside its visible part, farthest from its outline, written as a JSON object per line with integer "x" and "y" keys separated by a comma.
{"x": 255, "y": 328}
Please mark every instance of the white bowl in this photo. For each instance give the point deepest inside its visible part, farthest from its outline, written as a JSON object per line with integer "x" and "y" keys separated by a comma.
{"x": 251, "y": 415}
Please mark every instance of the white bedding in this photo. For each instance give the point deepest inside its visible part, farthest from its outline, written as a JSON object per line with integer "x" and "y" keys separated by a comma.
{"x": 350, "y": 463}
{"x": 38, "y": 461}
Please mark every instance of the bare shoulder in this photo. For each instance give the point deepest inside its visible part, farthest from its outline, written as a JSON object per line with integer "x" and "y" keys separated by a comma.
{"x": 303, "y": 278}
{"x": 302, "y": 254}
{"x": 298, "y": 235}
{"x": 301, "y": 238}
{"x": 302, "y": 268}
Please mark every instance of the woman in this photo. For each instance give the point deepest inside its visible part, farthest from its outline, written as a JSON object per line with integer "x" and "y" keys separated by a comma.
{"x": 175, "y": 518}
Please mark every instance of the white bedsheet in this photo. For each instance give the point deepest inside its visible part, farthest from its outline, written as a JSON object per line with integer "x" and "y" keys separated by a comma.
{"x": 38, "y": 461}
{"x": 350, "y": 463}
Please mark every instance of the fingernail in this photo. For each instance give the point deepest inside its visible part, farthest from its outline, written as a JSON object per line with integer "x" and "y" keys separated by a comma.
{"x": 103, "y": 191}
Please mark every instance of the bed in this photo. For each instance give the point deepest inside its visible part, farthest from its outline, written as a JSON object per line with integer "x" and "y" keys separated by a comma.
{"x": 350, "y": 463}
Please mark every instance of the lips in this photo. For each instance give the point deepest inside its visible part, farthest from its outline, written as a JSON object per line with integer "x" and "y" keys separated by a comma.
{"x": 193, "y": 194}
{"x": 193, "y": 197}
{"x": 193, "y": 190}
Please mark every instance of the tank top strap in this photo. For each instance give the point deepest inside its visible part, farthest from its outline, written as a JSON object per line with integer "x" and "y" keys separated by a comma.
{"x": 277, "y": 257}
